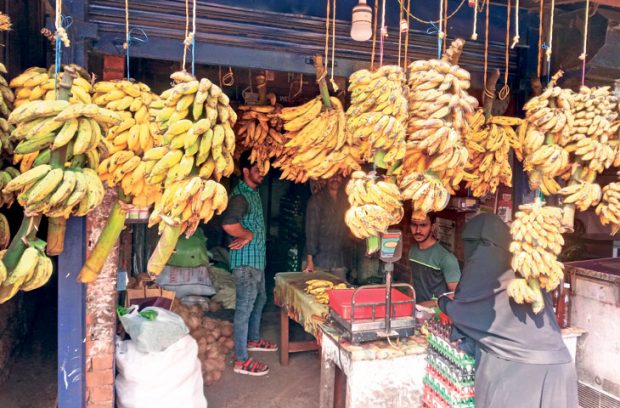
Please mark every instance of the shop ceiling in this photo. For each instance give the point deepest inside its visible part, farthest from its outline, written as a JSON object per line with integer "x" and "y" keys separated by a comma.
{"x": 279, "y": 34}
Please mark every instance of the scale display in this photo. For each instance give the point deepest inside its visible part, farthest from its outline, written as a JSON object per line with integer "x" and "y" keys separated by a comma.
{"x": 391, "y": 246}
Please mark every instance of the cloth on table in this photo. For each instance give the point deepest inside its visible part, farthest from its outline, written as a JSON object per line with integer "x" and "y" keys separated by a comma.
{"x": 302, "y": 307}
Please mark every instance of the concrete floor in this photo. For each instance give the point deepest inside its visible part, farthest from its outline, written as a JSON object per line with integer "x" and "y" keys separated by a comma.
{"x": 293, "y": 386}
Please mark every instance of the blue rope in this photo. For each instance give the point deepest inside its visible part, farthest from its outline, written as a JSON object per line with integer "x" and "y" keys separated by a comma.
{"x": 545, "y": 46}
{"x": 134, "y": 35}
{"x": 66, "y": 22}
{"x": 433, "y": 29}
{"x": 193, "y": 53}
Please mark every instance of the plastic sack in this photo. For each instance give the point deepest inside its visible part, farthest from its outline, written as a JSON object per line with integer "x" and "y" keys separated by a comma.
{"x": 170, "y": 378}
{"x": 162, "y": 329}
{"x": 187, "y": 281}
{"x": 190, "y": 252}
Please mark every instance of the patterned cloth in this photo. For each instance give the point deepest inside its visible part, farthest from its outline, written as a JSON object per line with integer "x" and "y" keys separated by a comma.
{"x": 254, "y": 253}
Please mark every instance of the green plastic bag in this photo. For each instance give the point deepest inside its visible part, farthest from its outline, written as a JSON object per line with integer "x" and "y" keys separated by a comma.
{"x": 190, "y": 252}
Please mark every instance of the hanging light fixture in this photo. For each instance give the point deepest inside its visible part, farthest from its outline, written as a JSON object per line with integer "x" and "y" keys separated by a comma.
{"x": 361, "y": 21}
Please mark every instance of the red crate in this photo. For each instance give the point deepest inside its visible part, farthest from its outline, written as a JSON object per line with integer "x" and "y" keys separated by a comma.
{"x": 340, "y": 301}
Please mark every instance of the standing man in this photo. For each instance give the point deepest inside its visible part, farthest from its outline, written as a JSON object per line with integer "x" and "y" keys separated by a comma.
{"x": 326, "y": 231}
{"x": 244, "y": 222}
{"x": 434, "y": 269}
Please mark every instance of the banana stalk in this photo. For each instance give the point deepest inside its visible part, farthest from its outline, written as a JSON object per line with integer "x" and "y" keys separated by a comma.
{"x": 321, "y": 73}
{"x": 58, "y": 226}
{"x": 109, "y": 235}
{"x": 164, "y": 249}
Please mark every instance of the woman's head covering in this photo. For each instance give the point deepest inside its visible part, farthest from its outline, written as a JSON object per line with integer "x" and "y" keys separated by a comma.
{"x": 483, "y": 312}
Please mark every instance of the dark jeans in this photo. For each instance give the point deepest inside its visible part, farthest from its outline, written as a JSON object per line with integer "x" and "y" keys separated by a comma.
{"x": 251, "y": 299}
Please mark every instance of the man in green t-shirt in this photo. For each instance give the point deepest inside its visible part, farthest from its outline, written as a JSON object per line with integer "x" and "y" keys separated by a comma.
{"x": 434, "y": 269}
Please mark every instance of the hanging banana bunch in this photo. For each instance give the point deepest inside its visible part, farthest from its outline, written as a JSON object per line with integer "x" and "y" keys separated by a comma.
{"x": 36, "y": 84}
{"x": 548, "y": 122}
{"x": 426, "y": 192}
{"x": 197, "y": 143}
{"x": 439, "y": 111}
{"x": 318, "y": 145}
{"x": 130, "y": 140}
{"x": 608, "y": 210}
{"x": 7, "y": 143}
{"x": 536, "y": 242}
{"x": 377, "y": 116}
{"x": 375, "y": 205}
{"x": 489, "y": 152}
{"x": 59, "y": 191}
{"x": 34, "y": 269}
{"x": 260, "y": 129}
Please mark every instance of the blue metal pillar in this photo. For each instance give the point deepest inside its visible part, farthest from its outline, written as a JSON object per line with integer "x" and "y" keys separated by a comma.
{"x": 71, "y": 317}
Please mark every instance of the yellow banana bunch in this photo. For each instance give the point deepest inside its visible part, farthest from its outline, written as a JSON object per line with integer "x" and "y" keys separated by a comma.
{"x": 426, "y": 192}
{"x": 377, "y": 116}
{"x": 260, "y": 129}
{"x": 582, "y": 195}
{"x": 189, "y": 202}
{"x": 7, "y": 98}
{"x": 43, "y": 190}
{"x": 128, "y": 170}
{"x": 196, "y": 120}
{"x": 375, "y": 205}
{"x": 550, "y": 159}
{"x": 132, "y": 101}
{"x": 608, "y": 210}
{"x": 318, "y": 289}
{"x": 318, "y": 145}
{"x": 33, "y": 270}
{"x": 594, "y": 110}
{"x": 6, "y": 175}
{"x": 536, "y": 242}
{"x": 489, "y": 152}
{"x": 39, "y": 84}
{"x": 42, "y": 125}
{"x": 439, "y": 111}
{"x": 593, "y": 154}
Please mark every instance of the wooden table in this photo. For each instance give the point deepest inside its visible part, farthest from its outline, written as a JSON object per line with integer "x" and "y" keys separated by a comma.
{"x": 295, "y": 304}
{"x": 374, "y": 374}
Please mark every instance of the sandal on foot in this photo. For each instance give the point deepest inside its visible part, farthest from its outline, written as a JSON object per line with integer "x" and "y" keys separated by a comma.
{"x": 250, "y": 367}
{"x": 262, "y": 345}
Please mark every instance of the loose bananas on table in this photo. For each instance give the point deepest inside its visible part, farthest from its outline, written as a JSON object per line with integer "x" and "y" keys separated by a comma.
{"x": 439, "y": 111}
{"x": 536, "y": 242}
{"x": 608, "y": 210}
{"x": 318, "y": 289}
{"x": 33, "y": 270}
{"x": 489, "y": 153}
{"x": 189, "y": 202}
{"x": 132, "y": 101}
{"x": 318, "y": 144}
{"x": 59, "y": 192}
{"x": 196, "y": 122}
{"x": 259, "y": 128}
{"x": 375, "y": 205}
{"x": 377, "y": 116}
{"x": 426, "y": 192}
{"x": 39, "y": 84}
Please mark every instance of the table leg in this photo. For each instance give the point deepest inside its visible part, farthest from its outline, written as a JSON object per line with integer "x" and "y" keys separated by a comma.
{"x": 340, "y": 388}
{"x": 284, "y": 335}
{"x": 326, "y": 392}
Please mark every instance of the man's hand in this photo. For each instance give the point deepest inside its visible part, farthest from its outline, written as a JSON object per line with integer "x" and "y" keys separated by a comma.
{"x": 239, "y": 243}
{"x": 310, "y": 265}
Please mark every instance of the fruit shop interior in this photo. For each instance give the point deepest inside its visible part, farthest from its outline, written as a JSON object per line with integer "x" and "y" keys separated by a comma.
{"x": 267, "y": 51}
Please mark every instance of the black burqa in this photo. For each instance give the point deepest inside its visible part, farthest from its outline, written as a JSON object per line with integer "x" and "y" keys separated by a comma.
{"x": 522, "y": 360}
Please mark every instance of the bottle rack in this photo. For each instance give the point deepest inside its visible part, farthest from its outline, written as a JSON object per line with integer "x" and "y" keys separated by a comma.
{"x": 449, "y": 378}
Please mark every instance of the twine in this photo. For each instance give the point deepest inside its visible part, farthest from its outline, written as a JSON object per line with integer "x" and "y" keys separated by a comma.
{"x": 515, "y": 39}
{"x": 505, "y": 91}
{"x": 582, "y": 57}
{"x": 540, "y": 37}
{"x": 474, "y": 34}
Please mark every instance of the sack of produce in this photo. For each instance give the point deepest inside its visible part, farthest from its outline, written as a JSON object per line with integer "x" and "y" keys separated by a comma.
{"x": 169, "y": 378}
{"x": 153, "y": 329}
{"x": 187, "y": 281}
{"x": 190, "y": 252}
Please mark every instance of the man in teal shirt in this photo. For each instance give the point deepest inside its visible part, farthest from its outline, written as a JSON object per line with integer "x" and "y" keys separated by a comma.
{"x": 434, "y": 269}
{"x": 243, "y": 221}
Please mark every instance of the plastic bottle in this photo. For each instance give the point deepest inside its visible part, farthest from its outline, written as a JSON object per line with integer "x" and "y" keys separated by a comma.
{"x": 563, "y": 312}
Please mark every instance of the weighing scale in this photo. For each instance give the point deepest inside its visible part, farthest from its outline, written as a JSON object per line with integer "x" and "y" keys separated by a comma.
{"x": 365, "y": 316}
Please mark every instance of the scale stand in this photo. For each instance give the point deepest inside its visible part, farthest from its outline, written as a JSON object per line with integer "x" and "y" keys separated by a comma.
{"x": 391, "y": 251}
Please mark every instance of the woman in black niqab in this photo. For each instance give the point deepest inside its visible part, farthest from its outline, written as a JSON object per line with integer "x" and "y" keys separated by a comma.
{"x": 522, "y": 361}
